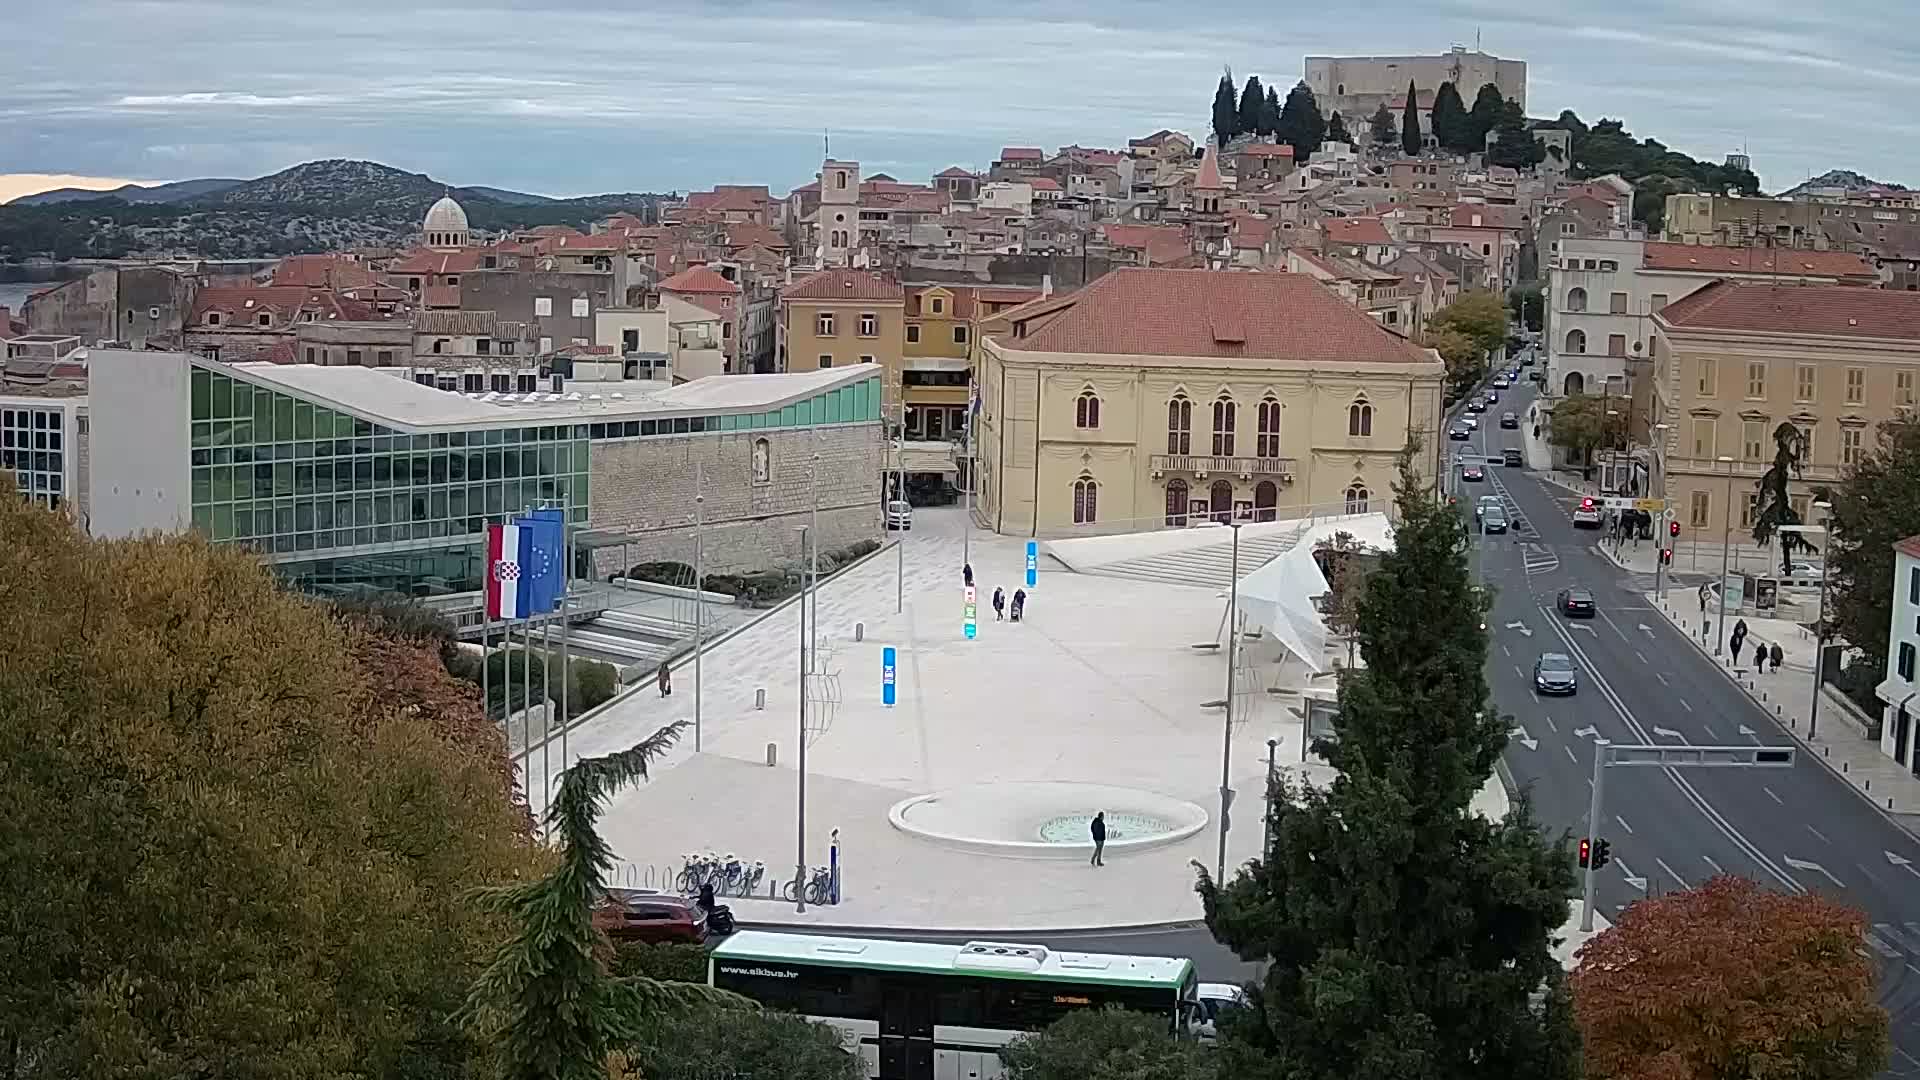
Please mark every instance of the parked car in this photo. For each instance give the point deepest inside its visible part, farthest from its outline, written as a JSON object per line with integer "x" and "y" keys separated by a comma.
{"x": 1495, "y": 520}
{"x": 1473, "y": 474}
{"x": 1510, "y": 421}
{"x": 649, "y": 916}
{"x": 1526, "y": 359}
{"x": 1586, "y": 515}
{"x": 899, "y": 515}
{"x": 1510, "y": 457}
{"x": 1576, "y": 603}
{"x": 1553, "y": 673}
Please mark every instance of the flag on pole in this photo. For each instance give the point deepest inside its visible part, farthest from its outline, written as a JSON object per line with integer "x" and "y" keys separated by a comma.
{"x": 509, "y": 560}
{"x": 544, "y": 575}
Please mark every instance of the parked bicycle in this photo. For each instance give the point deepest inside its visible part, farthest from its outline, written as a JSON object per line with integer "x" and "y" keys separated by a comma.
{"x": 819, "y": 887}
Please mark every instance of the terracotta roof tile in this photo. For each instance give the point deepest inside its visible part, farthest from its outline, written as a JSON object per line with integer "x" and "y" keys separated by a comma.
{"x": 699, "y": 279}
{"x": 1661, "y": 255}
{"x": 843, "y": 285}
{"x": 436, "y": 262}
{"x": 441, "y": 296}
{"x": 1360, "y": 230}
{"x": 1021, "y": 153}
{"x": 1278, "y": 150}
{"x": 321, "y": 272}
{"x": 1489, "y": 216}
{"x": 1218, "y": 313}
{"x": 1044, "y": 183}
{"x": 954, "y": 172}
{"x": 1209, "y": 178}
{"x": 1909, "y": 547}
{"x": 1162, "y": 243}
{"x": 747, "y": 234}
{"x": 474, "y": 323}
{"x": 1843, "y": 311}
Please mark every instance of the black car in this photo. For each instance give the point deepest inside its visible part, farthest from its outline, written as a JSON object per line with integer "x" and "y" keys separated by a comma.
{"x": 1493, "y": 520}
{"x": 1458, "y": 433}
{"x": 1510, "y": 421}
{"x": 1477, "y": 405}
{"x": 1510, "y": 457}
{"x": 1553, "y": 673}
{"x": 1526, "y": 359}
{"x": 1576, "y": 603}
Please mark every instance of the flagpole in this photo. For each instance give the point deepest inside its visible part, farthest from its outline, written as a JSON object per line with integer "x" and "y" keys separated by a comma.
{"x": 699, "y": 598}
{"x": 566, "y": 661}
{"x": 526, "y": 711}
{"x": 486, "y": 632}
{"x": 546, "y": 707}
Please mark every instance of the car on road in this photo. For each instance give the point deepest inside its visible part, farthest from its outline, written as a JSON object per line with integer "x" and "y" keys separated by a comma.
{"x": 1586, "y": 515}
{"x": 1500, "y": 382}
{"x": 1510, "y": 421}
{"x": 1480, "y": 506}
{"x": 1459, "y": 432}
{"x": 1800, "y": 571}
{"x": 1576, "y": 603}
{"x": 1527, "y": 360}
{"x": 649, "y": 916}
{"x": 1510, "y": 457}
{"x": 1553, "y": 673}
{"x": 1494, "y": 520}
{"x": 1473, "y": 474}
{"x": 1215, "y": 1000}
{"x": 1472, "y": 422}
{"x": 899, "y": 515}
{"x": 1477, "y": 405}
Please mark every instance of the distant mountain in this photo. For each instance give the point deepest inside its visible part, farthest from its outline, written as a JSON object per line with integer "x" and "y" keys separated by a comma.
{"x": 1845, "y": 179}
{"x": 516, "y": 198}
{"x": 178, "y": 191}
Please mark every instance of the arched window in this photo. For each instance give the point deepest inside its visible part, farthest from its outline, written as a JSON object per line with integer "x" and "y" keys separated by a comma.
{"x": 1220, "y": 501}
{"x": 1267, "y": 445}
{"x": 1266, "y": 501}
{"x": 1360, "y": 418}
{"x": 1179, "y": 425}
{"x": 1576, "y": 341}
{"x": 1086, "y": 410}
{"x": 1357, "y": 496}
{"x": 1086, "y": 497}
{"x": 1576, "y": 299}
{"x": 1177, "y": 497}
{"x": 1223, "y": 417}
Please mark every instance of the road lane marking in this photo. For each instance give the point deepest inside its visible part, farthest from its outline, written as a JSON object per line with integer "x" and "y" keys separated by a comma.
{"x": 1886, "y": 951}
{"x": 1632, "y": 881}
{"x": 1772, "y": 796}
{"x": 1550, "y": 724}
{"x": 1573, "y": 759}
{"x": 1899, "y": 939}
{"x": 1615, "y": 625}
{"x": 1802, "y": 864}
{"x": 1506, "y": 650}
{"x": 1668, "y": 733}
{"x": 1518, "y": 673}
{"x": 1716, "y": 866}
{"x": 1662, "y": 677}
{"x": 1817, "y": 833}
{"x": 1642, "y": 656}
{"x": 1672, "y": 873}
{"x": 1711, "y": 734}
{"x": 1683, "y": 704}
{"x": 1896, "y": 1049}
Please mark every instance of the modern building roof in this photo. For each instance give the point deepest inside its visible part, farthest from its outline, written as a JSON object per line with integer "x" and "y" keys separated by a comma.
{"x": 1842, "y": 311}
{"x": 843, "y": 285}
{"x": 392, "y": 401}
{"x": 1787, "y": 262}
{"x": 699, "y": 279}
{"x": 1215, "y": 314}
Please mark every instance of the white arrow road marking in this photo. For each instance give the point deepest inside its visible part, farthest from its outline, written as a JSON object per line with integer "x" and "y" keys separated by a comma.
{"x": 1799, "y": 864}
{"x": 1587, "y": 732}
{"x": 1667, "y": 733}
{"x": 1526, "y": 740}
{"x": 1648, "y": 630}
{"x": 1672, "y": 873}
{"x": 1639, "y": 883}
{"x": 1623, "y": 824}
{"x": 1747, "y": 731}
{"x": 1522, "y": 627}
{"x": 1904, "y": 864}
{"x": 1588, "y": 629}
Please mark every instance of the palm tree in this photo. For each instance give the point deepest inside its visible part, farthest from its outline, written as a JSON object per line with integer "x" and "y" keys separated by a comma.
{"x": 547, "y": 999}
{"x": 1774, "y": 508}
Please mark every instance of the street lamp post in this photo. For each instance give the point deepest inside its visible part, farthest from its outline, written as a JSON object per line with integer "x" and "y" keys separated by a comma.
{"x": 1266, "y": 834}
{"x": 1663, "y": 534}
{"x": 1820, "y": 625}
{"x": 800, "y": 818}
{"x": 1726, "y": 547}
{"x": 1233, "y": 651}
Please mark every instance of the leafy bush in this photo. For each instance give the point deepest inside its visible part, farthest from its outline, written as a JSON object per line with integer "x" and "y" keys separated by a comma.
{"x": 759, "y": 589}
{"x": 739, "y": 1044}
{"x": 672, "y": 961}
{"x": 593, "y": 684}
{"x": 1110, "y": 1044}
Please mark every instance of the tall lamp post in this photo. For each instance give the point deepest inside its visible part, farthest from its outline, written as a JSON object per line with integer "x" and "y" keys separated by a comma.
{"x": 1726, "y": 547}
{"x": 1233, "y": 651}
{"x": 1820, "y": 627}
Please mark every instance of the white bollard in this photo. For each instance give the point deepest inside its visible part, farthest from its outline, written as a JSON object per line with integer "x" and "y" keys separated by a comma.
{"x": 760, "y": 698}
{"x": 773, "y": 754}
{"x": 859, "y": 631}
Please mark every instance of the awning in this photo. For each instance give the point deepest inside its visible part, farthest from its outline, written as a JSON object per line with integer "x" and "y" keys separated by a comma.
{"x": 1279, "y": 598}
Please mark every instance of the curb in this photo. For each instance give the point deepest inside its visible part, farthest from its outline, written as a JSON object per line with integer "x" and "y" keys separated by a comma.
{"x": 910, "y": 933}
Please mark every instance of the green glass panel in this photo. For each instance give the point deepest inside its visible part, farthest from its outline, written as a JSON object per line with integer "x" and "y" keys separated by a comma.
{"x": 302, "y": 420}
{"x": 222, "y": 484}
{"x": 282, "y": 418}
{"x": 283, "y": 478}
{"x": 203, "y": 519}
{"x": 202, "y": 486}
{"x": 262, "y": 416}
{"x": 202, "y": 380}
{"x": 223, "y": 523}
{"x": 222, "y": 397}
{"x": 202, "y": 433}
{"x": 243, "y": 482}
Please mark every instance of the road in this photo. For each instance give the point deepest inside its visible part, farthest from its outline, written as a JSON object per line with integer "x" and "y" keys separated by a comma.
{"x": 1642, "y": 682}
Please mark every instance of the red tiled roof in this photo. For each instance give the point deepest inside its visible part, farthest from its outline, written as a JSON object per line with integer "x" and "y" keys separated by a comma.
{"x": 1909, "y": 547}
{"x": 1209, "y": 178}
{"x": 1044, "y": 183}
{"x": 1661, "y": 255}
{"x": 598, "y": 242}
{"x": 1218, "y": 313}
{"x": 283, "y": 300}
{"x": 1267, "y": 150}
{"x": 699, "y": 279}
{"x": 436, "y": 262}
{"x": 1021, "y": 153}
{"x": 441, "y": 296}
{"x": 1844, "y": 311}
{"x": 1360, "y": 230}
{"x": 843, "y": 285}
{"x": 1251, "y": 231}
{"x": 955, "y": 172}
{"x": 1162, "y": 243}
{"x": 1492, "y": 216}
{"x": 967, "y": 298}
{"x": 748, "y": 233}
{"x": 321, "y": 272}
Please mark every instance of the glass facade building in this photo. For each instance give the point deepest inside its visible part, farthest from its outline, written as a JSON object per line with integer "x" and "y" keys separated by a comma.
{"x": 33, "y": 448}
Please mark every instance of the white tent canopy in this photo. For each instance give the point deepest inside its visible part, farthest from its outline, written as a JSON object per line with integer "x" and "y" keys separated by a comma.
{"x": 1278, "y": 598}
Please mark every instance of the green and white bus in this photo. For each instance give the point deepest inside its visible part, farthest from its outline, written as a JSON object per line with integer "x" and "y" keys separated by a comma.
{"x": 920, "y": 1010}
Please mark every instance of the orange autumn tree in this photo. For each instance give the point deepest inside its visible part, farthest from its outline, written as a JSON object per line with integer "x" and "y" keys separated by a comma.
{"x": 1729, "y": 981}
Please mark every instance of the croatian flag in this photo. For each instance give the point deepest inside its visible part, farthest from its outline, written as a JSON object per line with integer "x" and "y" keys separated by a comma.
{"x": 509, "y": 569}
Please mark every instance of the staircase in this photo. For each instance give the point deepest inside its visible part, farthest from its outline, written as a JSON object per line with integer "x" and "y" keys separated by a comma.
{"x": 1210, "y": 566}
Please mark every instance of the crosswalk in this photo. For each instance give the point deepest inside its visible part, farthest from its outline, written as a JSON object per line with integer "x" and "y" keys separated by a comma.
{"x": 1895, "y": 942}
{"x": 1540, "y": 559}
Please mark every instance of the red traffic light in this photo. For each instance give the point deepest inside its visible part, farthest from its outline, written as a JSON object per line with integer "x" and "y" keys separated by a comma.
{"x": 1586, "y": 849}
{"x": 1673, "y": 528}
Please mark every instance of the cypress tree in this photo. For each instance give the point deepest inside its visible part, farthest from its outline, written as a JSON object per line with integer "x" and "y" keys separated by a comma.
{"x": 1337, "y": 129}
{"x": 1226, "y": 114}
{"x": 1301, "y": 125}
{"x": 1410, "y": 122}
{"x": 1383, "y": 130}
{"x": 1488, "y": 105}
{"x": 1270, "y": 116}
{"x": 1450, "y": 119}
{"x": 1403, "y": 934}
{"x": 1253, "y": 106}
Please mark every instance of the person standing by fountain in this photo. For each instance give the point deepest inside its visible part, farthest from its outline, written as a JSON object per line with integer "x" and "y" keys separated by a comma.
{"x": 1099, "y": 831}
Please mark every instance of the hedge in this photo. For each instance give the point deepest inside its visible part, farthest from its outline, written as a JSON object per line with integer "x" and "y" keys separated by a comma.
{"x": 761, "y": 589}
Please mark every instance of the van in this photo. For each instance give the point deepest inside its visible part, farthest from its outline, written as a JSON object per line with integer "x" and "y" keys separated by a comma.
{"x": 1510, "y": 457}
{"x": 899, "y": 515}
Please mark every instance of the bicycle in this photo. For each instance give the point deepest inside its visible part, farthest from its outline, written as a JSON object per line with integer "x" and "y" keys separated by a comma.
{"x": 819, "y": 887}
{"x": 699, "y": 869}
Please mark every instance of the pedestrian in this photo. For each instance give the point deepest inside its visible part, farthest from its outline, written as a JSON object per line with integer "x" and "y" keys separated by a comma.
{"x": 1703, "y": 600}
{"x": 1739, "y": 639}
{"x": 1019, "y": 603}
{"x": 1777, "y": 656}
{"x": 665, "y": 679}
{"x": 966, "y": 573}
{"x": 999, "y": 603}
{"x": 1099, "y": 831}
{"x": 1760, "y": 657}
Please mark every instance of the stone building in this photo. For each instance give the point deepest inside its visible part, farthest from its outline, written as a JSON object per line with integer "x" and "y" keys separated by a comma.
{"x": 1354, "y": 86}
{"x": 134, "y": 305}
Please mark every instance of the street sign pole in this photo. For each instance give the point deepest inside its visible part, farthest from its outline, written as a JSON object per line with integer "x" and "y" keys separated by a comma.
{"x": 1593, "y": 831}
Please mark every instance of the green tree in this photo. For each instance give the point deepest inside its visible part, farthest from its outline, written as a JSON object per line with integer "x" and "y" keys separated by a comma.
{"x": 1382, "y": 128}
{"x": 706, "y": 1042}
{"x": 1449, "y": 119}
{"x": 1337, "y": 129}
{"x": 1250, "y": 117}
{"x": 1226, "y": 113}
{"x": 1404, "y": 934}
{"x": 1513, "y": 145}
{"x": 1731, "y": 980}
{"x": 547, "y": 999}
{"x": 1774, "y": 506}
{"x": 1466, "y": 361}
{"x": 1579, "y": 424}
{"x": 1876, "y": 504}
{"x": 1479, "y": 314}
{"x": 1270, "y": 115}
{"x": 1410, "y": 139}
{"x": 1528, "y": 304}
{"x": 1110, "y": 1044}
{"x": 1301, "y": 125}
{"x": 237, "y": 831}
{"x": 1345, "y": 562}
{"x": 1488, "y": 105}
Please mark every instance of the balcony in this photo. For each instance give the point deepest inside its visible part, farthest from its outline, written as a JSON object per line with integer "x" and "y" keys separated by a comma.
{"x": 1201, "y": 465}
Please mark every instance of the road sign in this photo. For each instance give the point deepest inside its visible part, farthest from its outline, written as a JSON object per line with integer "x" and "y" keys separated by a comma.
{"x": 1651, "y": 506}
{"x": 887, "y": 669}
{"x": 1033, "y": 563}
{"x": 1622, "y": 502}
{"x": 972, "y": 609}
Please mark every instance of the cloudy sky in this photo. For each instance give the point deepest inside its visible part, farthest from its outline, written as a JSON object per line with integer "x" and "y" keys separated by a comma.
{"x": 567, "y": 97}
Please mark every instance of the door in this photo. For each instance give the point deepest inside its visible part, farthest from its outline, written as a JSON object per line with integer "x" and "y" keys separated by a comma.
{"x": 1220, "y": 498}
{"x": 1901, "y": 730}
{"x": 906, "y": 1034}
{"x": 1266, "y": 501}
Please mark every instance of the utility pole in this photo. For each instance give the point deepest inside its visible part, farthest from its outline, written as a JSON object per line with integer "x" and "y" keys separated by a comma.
{"x": 699, "y": 590}
{"x": 800, "y": 818}
{"x": 1226, "y": 744}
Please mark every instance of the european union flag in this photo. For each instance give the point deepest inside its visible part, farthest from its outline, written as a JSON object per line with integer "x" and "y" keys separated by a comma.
{"x": 546, "y": 575}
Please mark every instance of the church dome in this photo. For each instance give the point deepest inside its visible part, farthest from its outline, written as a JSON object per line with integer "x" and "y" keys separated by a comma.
{"x": 445, "y": 216}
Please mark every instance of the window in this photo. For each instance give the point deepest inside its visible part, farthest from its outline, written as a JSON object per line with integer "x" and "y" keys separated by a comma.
{"x": 1851, "y": 450}
{"x": 1224, "y": 411}
{"x": 1576, "y": 299}
{"x": 384, "y": 358}
{"x": 213, "y": 318}
{"x": 153, "y": 312}
{"x": 1658, "y": 301}
{"x": 823, "y": 324}
{"x": 1179, "y": 425}
{"x": 839, "y": 179}
{"x": 1806, "y": 443}
{"x": 264, "y": 319}
{"x": 546, "y": 345}
{"x": 1616, "y": 344}
{"x": 1568, "y": 228}
{"x": 1749, "y": 506}
{"x": 1703, "y": 433}
{"x": 1753, "y": 436}
{"x": 1086, "y": 410}
{"x": 1856, "y": 385}
{"x": 1913, "y": 586}
{"x": 483, "y": 346}
{"x": 506, "y": 348}
{"x": 629, "y": 340}
{"x": 310, "y": 354}
{"x": 869, "y": 324}
{"x": 580, "y": 307}
{"x": 1177, "y": 502}
{"x": 1709, "y": 381}
{"x": 1610, "y": 264}
{"x": 939, "y": 305}
{"x": 959, "y": 335}
{"x": 826, "y": 360}
{"x": 1803, "y": 382}
{"x": 473, "y": 382}
{"x": 1757, "y": 380}
{"x": 1617, "y": 304}
{"x": 1357, "y": 496}
{"x": 543, "y": 305}
{"x": 1267, "y": 442}
{"x": 1086, "y": 500}
{"x": 1903, "y": 387}
{"x": 1360, "y": 419}
{"x": 913, "y": 335}
{"x": 1698, "y": 510}
{"x": 1906, "y": 660}
{"x": 1576, "y": 341}
{"x": 440, "y": 345}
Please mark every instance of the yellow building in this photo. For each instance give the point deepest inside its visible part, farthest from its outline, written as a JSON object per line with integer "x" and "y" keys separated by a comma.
{"x": 1735, "y": 360}
{"x": 1155, "y": 398}
{"x": 836, "y": 318}
{"x": 942, "y": 343}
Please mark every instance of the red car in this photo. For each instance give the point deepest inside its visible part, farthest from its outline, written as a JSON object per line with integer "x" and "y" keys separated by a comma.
{"x": 644, "y": 915}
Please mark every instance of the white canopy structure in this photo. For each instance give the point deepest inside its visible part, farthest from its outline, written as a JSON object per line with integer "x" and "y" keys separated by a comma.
{"x": 1278, "y": 598}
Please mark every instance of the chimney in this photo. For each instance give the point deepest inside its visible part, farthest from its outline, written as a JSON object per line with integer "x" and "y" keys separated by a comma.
{"x": 1046, "y": 286}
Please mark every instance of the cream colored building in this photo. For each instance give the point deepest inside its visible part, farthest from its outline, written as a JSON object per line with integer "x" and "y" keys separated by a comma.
{"x": 838, "y": 318}
{"x": 1156, "y": 398}
{"x": 1735, "y": 360}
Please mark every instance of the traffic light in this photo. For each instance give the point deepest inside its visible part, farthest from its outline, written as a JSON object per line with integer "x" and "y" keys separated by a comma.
{"x": 1673, "y": 529}
{"x": 1586, "y": 504}
{"x": 1666, "y": 556}
{"x": 1601, "y": 854}
{"x": 1586, "y": 846}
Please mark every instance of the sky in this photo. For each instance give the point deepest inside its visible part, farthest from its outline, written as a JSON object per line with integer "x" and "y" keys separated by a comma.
{"x": 570, "y": 97}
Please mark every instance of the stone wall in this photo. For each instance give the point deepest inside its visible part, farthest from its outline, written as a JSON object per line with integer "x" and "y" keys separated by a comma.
{"x": 644, "y": 488}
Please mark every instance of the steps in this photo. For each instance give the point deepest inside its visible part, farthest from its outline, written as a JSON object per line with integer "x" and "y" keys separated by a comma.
{"x": 1209, "y": 566}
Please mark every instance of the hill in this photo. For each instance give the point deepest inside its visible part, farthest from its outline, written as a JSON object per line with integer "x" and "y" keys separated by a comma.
{"x": 1844, "y": 179}
{"x": 315, "y": 206}
{"x": 1655, "y": 169}
{"x": 178, "y": 191}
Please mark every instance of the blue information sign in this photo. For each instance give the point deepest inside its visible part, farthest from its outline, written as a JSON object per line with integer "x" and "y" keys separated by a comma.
{"x": 886, "y": 675}
{"x": 1033, "y": 563}
{"x": 971, "y": 610}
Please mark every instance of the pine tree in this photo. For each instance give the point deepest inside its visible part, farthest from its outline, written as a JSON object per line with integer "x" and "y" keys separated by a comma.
{"x": 1226, "y": 114}
{"x": 1410, "y": 123}
{"x": 1253, "y": 103}
{"x": 1513, "y": 145}
{"x": 1488, "y": 104}
{"x": 1449, "y": 119}
{"x": 1403, "y": 934}
{"x": 1301, "y": 125}
{"x": 1383, "y": 130}
{"x": 1337, "y": 130}
{"x": 1270, "y": 116}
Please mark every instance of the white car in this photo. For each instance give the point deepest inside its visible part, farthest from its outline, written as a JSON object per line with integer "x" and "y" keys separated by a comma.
{"x": 899, "y": 515}
{"x": 1472, "y": 422}
{"x": 1216, "y": 999}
